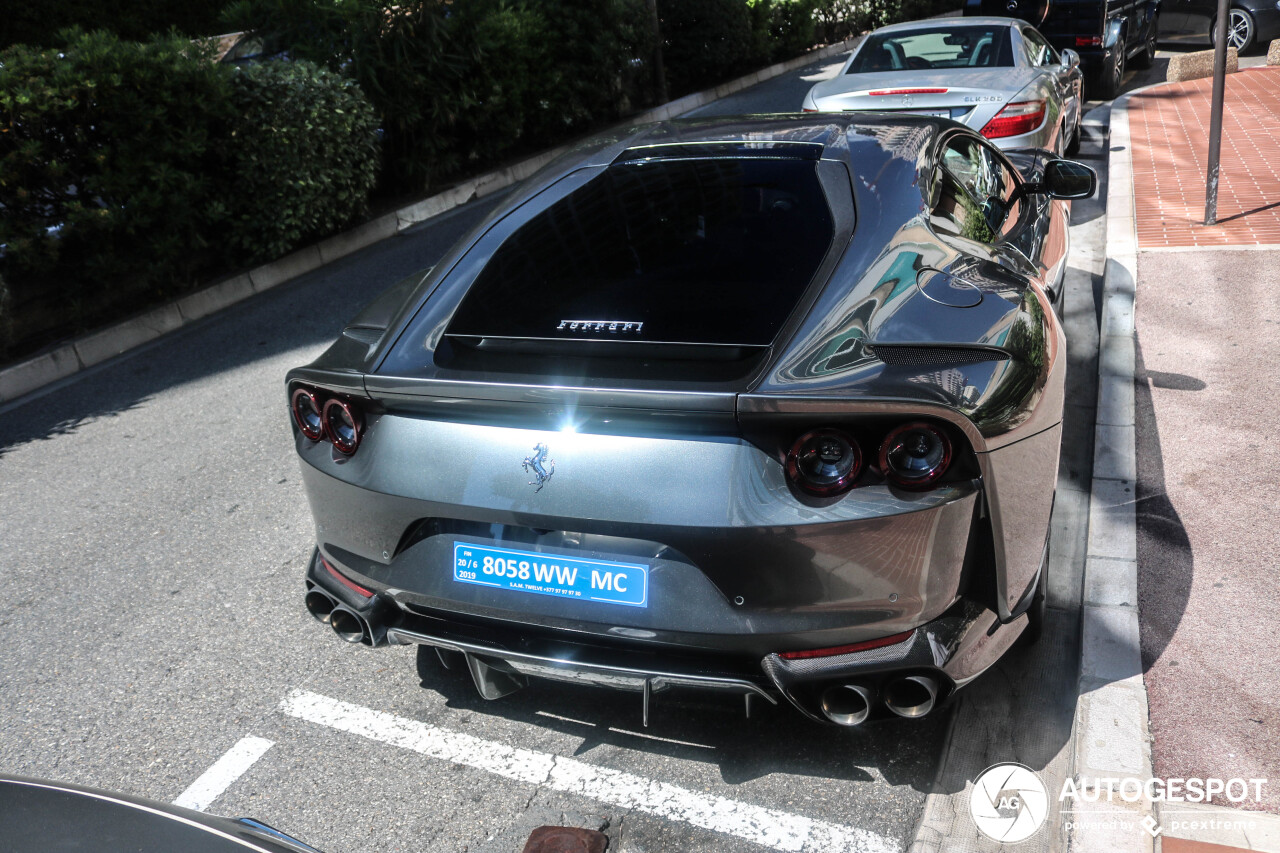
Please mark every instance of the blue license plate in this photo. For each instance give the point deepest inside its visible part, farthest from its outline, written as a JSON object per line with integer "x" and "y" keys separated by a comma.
{"x": 552, "y": 574}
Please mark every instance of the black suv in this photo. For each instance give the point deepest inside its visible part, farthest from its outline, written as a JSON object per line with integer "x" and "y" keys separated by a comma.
{"x": 1108, "y": 34}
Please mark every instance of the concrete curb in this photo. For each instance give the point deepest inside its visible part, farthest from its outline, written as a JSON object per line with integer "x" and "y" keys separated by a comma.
{"x": 32, "y": 374}
{"x": 1112, "y": 739}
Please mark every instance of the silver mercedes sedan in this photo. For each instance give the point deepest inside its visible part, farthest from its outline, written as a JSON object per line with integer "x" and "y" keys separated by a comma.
{"x": 999, "y": 76}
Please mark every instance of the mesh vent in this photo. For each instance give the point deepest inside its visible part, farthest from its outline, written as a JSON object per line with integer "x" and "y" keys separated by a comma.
{"x": 921, "y": 356}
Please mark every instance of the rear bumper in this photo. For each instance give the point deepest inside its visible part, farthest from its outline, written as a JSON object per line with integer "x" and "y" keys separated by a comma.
{"x": 739, "y": 569}
{"x": 952, "y": 650}
{"x": 747, "y": 589}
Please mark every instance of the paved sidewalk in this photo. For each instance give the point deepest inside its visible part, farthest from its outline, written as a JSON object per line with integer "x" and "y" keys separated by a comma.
{"x": 1170, "y": 127}
{"x": 1208, "y": 338}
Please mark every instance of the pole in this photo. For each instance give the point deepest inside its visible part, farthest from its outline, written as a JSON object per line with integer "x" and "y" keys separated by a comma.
{"x": 1215, "y": 115}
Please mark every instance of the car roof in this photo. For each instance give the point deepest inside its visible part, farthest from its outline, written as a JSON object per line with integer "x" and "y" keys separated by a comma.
{"x": 932, "y": 23}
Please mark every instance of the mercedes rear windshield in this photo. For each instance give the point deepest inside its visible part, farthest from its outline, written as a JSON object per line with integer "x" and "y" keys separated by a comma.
{"x": 946, "y": 46}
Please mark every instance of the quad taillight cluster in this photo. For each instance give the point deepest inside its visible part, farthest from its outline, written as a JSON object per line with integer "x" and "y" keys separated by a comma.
{"x": 828, "y": 462}
{"x": 332, "y": 419}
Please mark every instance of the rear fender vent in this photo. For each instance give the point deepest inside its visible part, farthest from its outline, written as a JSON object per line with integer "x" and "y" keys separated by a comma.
{"x": 363, "y": 334}
{"x": 900, "y": 355}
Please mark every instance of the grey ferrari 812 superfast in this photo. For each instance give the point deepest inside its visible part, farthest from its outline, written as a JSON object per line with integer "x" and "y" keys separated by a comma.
{"x": 767, "y": 405}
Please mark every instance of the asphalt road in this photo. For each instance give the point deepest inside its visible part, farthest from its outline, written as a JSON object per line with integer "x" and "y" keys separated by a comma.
{"x": 152, "y": 549}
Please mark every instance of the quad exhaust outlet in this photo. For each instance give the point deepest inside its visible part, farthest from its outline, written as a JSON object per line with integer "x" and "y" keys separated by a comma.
{"x": 911, "y": 696}
{"x": 347, "y": 623}
{"x": 847, "y": 704}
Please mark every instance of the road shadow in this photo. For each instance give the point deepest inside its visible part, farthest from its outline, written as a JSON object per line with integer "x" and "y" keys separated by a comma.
{"x": 784, "y": 94}
{"x": 302, "y": 314}
{"x": 693, "y": 725}
{"x": 1166, "y": 562}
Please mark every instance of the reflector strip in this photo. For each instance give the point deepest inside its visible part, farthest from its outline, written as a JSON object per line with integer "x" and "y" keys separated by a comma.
{"x": 351, "y": 585}
{"x": 844, "y": 650}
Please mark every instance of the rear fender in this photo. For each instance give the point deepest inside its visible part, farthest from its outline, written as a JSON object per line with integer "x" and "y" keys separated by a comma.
{"x": 1019, "y": 482}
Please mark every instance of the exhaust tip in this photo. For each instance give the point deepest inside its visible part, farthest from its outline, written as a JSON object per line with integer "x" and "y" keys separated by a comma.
{"x": 912, "y": 696}
{"x": 846, "y": 704}
{"x": 347, "y": 625}
{"x": 319, "y": 605}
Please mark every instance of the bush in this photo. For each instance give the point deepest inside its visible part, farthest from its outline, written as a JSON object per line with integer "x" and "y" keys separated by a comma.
{"x": 784, "y": 28}
{"x": 462, "y": 85}
{"x": 302, "y": 157}
{"x": 37, "y": 24}
{"x": 401, "y": 54}
{"x": 131, "y": 172}
{"x": 706, "y": 42}
{"x": 108, "y": 171}
{"x": 548, "y": 70}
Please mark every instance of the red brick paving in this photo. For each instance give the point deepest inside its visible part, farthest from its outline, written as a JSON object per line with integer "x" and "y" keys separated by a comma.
{"x": 1169, "y": 128}
{"x": 1180, "y": 845}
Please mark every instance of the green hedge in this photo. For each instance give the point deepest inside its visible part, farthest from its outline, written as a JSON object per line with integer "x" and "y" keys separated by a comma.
{"x": 461, "y": 86}
{"x": 550, "y": 69}
{"x": 37, "y": 23}
{"x": 707, "y": 41}
{"x": 303, "y": 157}
{"x": 129, "y": 172}
{"x": 107, "y": 172}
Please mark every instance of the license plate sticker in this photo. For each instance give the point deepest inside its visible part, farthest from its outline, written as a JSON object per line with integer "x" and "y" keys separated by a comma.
{"x": 603, "y": 581}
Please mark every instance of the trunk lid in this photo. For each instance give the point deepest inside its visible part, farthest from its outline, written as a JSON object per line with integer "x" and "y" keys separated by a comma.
{"x": 961, "y": 95}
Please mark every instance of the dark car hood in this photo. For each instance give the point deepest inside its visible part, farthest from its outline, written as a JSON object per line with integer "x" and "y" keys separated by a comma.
{"x": 38, "y": 816}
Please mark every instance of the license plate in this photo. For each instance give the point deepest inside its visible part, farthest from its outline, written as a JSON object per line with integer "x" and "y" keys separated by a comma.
{"x": 603, "y": 581}
{"x": 934, "y": 113}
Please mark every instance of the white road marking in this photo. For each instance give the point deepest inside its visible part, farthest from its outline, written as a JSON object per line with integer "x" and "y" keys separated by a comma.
{"x": 224, "y": 771}
{"x": 769, "y": 827}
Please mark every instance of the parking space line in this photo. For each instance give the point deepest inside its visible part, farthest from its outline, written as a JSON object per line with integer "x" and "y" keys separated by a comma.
{"x": 224, "y": 771}
{"x": 768, "y": 827}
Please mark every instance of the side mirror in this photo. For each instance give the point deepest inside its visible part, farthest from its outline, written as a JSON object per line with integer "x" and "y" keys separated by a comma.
{"x": 1064, "y": 179}
{"x": 1070, "y": 59}
{"x": 1068, "y": 179}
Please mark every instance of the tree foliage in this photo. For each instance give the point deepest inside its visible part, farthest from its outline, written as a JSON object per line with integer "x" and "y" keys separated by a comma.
{"x": 302, "y": 157}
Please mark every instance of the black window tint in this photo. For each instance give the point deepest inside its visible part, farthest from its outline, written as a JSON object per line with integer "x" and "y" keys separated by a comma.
{"x": 944, "y": 46}
{"x": 707, "y": 251}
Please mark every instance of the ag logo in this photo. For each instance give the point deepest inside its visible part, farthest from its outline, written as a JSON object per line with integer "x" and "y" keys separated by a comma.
{"x": 1009, "y": 803}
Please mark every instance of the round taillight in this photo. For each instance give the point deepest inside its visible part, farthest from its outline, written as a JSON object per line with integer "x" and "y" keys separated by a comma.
{"x": 342, "y": 425}
{"x": 306, "y": 412}
{"x": 824, "y": 462}
{"x": 915, "y": 455}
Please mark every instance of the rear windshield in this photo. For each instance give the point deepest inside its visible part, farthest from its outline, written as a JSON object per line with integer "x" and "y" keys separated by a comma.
{"x": 940, "y": 47}
{"x": 702, "y": 251}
